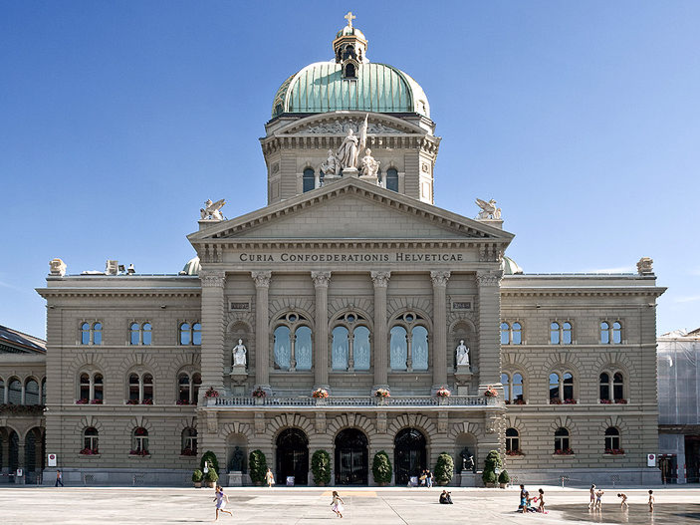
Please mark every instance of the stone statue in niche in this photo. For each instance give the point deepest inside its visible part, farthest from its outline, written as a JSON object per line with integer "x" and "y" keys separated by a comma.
{"x": 239, "y": 354}
{"x": 331, "y": 165}
{"x": 462, "y": 352}
{"x": 237, "y": 460}
{"x": 370, "y": 166}
{"x": 467, "y": 460}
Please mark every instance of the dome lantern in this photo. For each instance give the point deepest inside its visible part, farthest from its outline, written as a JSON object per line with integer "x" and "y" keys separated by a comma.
{"x": 350, "y": 49}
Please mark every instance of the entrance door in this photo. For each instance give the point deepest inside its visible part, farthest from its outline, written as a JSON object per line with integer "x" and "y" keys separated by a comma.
{"x": 409, "y": 455}
{"x": 292, "y": 456}
{"x": 692, "y": 458}
{"x": 351, "y": 465}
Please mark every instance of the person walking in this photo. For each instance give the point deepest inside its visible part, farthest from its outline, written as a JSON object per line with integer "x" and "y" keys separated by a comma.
{"x": 598, "y": 500}
{"x": 59, "y": 478}
{"x": 651, "y": 501}
{"x": 269, "y": 478}
{"x": 540, "y": 506}
{"x": 221, "y": 500}
{"x": 523, "y": 499}
{"x": 591, "y": 501}
{"x": 337, "y": 504}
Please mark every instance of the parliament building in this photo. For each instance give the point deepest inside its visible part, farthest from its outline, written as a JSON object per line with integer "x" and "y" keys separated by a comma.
{"x": 351, "y": 282}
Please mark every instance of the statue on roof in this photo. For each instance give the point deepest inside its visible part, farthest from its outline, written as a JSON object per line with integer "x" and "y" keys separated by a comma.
{"x": 211, "y": 210}
{"x": 331, "y": 166}
{"x": 488, "y": 210}
{"x": 57, "y": 267}
{"x": 370, "y": 165}
{"x": 350, "y": 148}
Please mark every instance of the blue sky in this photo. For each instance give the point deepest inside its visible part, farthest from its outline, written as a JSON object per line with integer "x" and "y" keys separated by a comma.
{"x": 118, "y": 119}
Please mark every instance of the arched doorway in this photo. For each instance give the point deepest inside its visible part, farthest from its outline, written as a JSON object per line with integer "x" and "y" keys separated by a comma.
{"x": 466, "y": 459}
{"x": 409, "y": 454}
{"x": 351, "y": 467}
{"x": 292, "y": 456}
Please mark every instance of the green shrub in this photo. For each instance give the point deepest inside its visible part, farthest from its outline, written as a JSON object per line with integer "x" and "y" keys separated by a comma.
{"x": 257, "y": 466}
{"x": 210, "y": 458}
{"x": 381, "y": 468}
{"x": 492, "y": 462}
{"x": 504, "y": 477}
{"x": 212, "y": 476}
{"x": 489, "y": 477}
{"x": 444, "y": 468}
{"x": 321, "y": 467}
{"x": 197, "y": 476}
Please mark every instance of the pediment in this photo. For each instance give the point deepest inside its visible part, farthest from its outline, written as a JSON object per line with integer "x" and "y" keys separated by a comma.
{"x": 338, "y": 123}
{"x": 349, "y": 210}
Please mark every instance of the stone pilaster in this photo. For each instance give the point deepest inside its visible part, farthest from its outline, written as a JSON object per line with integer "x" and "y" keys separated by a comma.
{"x": 380, "y": 353}
{"x": 212, "y": 353}
{"x": 439, "y": 279}
{"x": 262, "y": 330}
{"x": 489, "y": 324}
{"x": 321, "y": 281}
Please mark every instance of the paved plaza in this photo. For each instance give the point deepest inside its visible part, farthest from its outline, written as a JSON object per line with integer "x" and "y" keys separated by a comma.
{"x": 282, "y": 506}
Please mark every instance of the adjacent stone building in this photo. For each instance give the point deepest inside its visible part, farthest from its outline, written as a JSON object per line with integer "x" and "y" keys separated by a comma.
{"x": 351, "y": 282}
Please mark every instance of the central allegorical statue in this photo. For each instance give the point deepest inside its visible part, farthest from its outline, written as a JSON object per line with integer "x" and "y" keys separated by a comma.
{"x": 239, "y": 354}
{"x": 348, "y": 151}
{"x": 462, "y": 354}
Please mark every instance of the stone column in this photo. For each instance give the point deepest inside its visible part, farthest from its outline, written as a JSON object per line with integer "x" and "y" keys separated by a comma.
{"x": 439, "y": 279}
{"x": 321, "y": 280}
{"x": 21, "y": 462}
{"x": 380, "y": 351}
{"x": 262, "y": 329}
{"x": 212, "y": 354}
{"x": 489, "y": 326}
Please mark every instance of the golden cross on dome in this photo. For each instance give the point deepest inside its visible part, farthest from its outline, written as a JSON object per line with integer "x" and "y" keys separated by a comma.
{"x": 349, "y": 17}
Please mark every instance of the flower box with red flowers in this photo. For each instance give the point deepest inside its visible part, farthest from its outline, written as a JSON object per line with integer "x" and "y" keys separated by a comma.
{"x": 188, "y": 452}
{"x": 514, "y": 453}
{"x": 211, "y": 392}
{"x": 490, "y": 392}
{"x": 96, "y": 402}
{"x": 132, "y": 402}
{"x": 259, "y": 392}
{"x": 564, "y": 452}
{"x": 569, "y": 401}
{"x": 554, "y": 401}
{"x": 605, "y": 402}
{"x": 139, "y": 453}
{"x": 382, "y": 393}
{"x": 82, "y": 401}
{"x": 148, "y": 401}
{"x": 182, "y": 402}
{"x": 620, "y": 401}
{"x": 320, "y": 393}
{"x": 443, "y": 392}
{"x": 615, "y": 451}
{"x": 89, "y": 451}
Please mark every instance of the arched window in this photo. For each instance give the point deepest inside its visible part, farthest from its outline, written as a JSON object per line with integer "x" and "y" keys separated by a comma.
{"x": 90, "y": 441}
{"x": 554, "y": 333}
{"x": 511, "y": 334}
{"x": 293, "y": 346}
{"x": 97, "y": 389}
{"x": 2, "y": 391}
{"x": 31, "y": 392}
{"x": 351, "y": 343}
{"x": 561, "y": 441}
{"x": 84, "y": 388}
{"x": 189, "y": 442}
{"x": 618, "y": 387}
{"x": 561, "y": 388}
{"x": 90, "y": 388}
{"x": 188, "y": 388}
{"x": 140, "y": 389}
{"x": 617, "y": 333}
{"x": 392, "y": 179}
{"x": 14, "y": 392}
{"x": 91, "y": 334}
{"x": 512, "y": 442}
{"x": 409, "y": 353}
{"x": 139, "y": 442}
{"x": 350, "y": 71}
{"x": 612, "y": 441}
{"x": 604, "y": 388}
{"x": 43, "y": 391}
{"x": 513, "y": 388}
{"x": 566, "y": 335}
{"x": 140, "y": 334}
{"x": 505, "y": 381}
{"x": 309, "y": 180}
{"x": 191, "y": 334}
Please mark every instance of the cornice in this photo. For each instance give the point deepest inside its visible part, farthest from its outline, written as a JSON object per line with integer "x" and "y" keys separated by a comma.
{"x": 97, "y": 292}
{"x": 582, "y": 292}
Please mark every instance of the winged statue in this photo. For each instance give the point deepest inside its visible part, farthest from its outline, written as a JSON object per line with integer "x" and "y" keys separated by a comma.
{"x": 212, "y": 210}
{"x": 488, "y": 209}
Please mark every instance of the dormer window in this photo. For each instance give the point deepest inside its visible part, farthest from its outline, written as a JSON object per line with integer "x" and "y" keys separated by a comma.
{"x": 350, "y": 71}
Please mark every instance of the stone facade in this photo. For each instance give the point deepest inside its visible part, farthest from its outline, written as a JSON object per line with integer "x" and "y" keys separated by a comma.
{"x": 351, "y": 284}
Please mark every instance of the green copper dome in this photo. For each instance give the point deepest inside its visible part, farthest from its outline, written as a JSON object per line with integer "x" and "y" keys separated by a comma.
{"x": 321, "y": 88}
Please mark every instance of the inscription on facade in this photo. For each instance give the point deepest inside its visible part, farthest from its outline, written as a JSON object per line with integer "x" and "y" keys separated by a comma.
{"x": 461, "y": 305}
{"x": 239, "y": 306}
{"x": 396, "y": 257}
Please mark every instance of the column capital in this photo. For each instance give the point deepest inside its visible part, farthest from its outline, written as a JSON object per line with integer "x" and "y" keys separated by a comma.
{"x": 321, "y": 278}
{"x": 380, "y": 279}
{"x": 213, "y": 278}
{"x": 439, "y": 277}
{"x": 262, "y": 279}
{"x": 489, "y": 278}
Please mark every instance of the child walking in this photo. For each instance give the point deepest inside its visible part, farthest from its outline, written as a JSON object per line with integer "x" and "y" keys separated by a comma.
{"x": 221, "y": 501}
{"x": 651, "y": 501}
{"x": 598, "y": 500}
{"x": 540, "y": 507}
{"x": 337, "y": 504}
{"x": 591, "y": 502}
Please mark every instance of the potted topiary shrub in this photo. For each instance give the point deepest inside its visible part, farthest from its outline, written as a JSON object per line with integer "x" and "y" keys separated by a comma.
{"x": 209, "y": 461}
{"x": 504, "y": 479}
{"x": 321, "y": 467}
{"x": 257, "y": 467}
{"x": 444, "y": 469}
{"x": 197, "y": 476}
{"x": 212, "y": 477}
{"x": 492, "y": 462}
{"x": 381, "y": 468}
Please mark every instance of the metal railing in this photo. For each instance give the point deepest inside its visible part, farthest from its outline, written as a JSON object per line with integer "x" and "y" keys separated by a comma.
{"x": 351, "y": 401}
